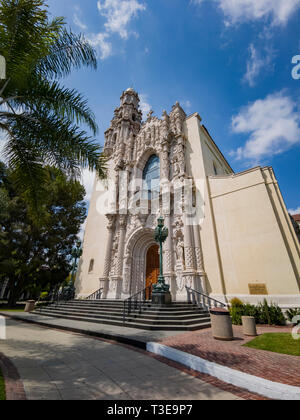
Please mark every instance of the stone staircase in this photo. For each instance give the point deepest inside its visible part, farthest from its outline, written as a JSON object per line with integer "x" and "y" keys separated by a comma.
{"x": 176, "y": 317}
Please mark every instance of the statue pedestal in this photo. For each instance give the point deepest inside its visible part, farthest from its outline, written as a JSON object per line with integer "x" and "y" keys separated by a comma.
{"x": 161, "y": 298}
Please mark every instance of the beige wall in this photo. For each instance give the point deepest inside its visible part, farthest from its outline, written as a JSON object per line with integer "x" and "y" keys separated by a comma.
{"x": 94, "y": 243}
{"x": 201, "y": 154}
{"x": 255, "y": 237}
{"x": 246, "y": 235}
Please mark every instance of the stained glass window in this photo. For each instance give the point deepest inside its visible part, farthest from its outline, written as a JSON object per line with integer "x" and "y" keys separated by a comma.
{"x": 151, "y": 177}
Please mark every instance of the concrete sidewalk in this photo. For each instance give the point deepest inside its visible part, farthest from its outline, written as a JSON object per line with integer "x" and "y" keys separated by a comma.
{"x": 132, "y": 336}
{"x": 57, "y": 365}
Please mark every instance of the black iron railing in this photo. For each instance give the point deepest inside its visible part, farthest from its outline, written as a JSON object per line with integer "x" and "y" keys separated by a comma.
{"x": 203, "y": 301}
{"x": 64, "y": 295}
{"x": 136, "y": 302}
{"x": 96, "y": 295}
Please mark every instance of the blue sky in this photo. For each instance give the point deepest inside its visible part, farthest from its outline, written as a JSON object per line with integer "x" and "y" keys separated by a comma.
{"x": 229, "y": 60}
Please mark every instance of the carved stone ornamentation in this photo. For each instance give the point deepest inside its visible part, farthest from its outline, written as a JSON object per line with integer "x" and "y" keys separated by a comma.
{"x": 130, "y": 143}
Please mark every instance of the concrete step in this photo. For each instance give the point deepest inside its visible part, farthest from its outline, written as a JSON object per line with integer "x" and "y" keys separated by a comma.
{"x": 165, "y": 327}
{"x": 140, "y": 318}
{"x": 146, "y": 307}
{"x": 149, "y": 312}
{"x": 180, "y": 316}
{"x": 118, "y": 303}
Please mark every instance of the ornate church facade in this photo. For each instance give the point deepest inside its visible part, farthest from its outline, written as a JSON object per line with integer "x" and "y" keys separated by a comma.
{"x": 230, "y": 234}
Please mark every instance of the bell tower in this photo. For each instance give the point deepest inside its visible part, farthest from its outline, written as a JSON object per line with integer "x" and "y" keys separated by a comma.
{"x": 124, "y": 127}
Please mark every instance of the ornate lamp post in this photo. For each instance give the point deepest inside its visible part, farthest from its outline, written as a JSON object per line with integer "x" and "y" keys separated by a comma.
{"x": 69, "y": 291}
{"x": 161, "y": 291}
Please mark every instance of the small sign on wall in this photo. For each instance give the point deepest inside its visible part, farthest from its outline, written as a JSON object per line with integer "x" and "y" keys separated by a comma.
{"x": 258, "y": 289}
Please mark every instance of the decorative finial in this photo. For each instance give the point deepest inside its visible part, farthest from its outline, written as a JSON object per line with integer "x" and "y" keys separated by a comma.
{"x": 150, "y": 115}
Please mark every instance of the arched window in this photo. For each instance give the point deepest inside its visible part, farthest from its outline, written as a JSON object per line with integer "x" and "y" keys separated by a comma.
{"x": 151, "y": 178}
{"x": 91, "y": 267}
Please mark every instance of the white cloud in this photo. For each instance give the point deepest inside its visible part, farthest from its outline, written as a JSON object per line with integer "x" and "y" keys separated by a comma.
{"x": 257, "y": 63}
{"x": 187, "y": 105}
{"x": 273, "y": 124}
{"x": 237, "y": 11}
{"x": 77, "y": 18}
{"x": 118, "y": 14}
{"x": 295, "y": 211}
{"x": 144, "y": 105}
{"x": 99, "y": 41}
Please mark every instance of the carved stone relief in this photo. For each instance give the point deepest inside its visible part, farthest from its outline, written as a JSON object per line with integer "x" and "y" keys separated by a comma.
{"x": 130, "y": 143}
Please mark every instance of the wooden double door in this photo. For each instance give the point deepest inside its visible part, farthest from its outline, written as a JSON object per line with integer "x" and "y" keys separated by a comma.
{"x": 152, "y": 269}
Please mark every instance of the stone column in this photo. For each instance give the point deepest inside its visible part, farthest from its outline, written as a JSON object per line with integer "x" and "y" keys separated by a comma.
{"x": 188, "y": 247}
{"x": 104, "y": 281}
{"x": 165, "y": 162}
{"x": 199, "y": 261}
{"x": 189, "y": 273}
{"x": 170, "y": 276}
{"x": 181, "y": 155}
{"x": 119, "y": 270}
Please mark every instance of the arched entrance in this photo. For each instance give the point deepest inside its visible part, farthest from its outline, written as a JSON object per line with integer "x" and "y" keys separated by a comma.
{"x": 135, "y": 266}
{"x": 152, "y": 269}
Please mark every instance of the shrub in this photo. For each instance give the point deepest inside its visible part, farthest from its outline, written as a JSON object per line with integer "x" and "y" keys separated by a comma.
{"x": 292, "y": 313}
{"x": 270, "y": 315}
{"x": 251, "y": 310}
{"x": 236, "y": 311}
{"x": 235, "y": 302}
{"x": 263, "y": 313}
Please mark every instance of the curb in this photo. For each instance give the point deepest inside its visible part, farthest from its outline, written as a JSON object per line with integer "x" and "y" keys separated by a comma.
{"x": 264, "y": 387}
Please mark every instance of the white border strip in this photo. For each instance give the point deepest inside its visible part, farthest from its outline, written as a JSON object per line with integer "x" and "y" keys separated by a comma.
{"x": 269, "y": 389}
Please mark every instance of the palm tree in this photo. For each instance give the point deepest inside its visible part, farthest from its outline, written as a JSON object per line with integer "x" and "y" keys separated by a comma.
{"x": 40, "y": 117}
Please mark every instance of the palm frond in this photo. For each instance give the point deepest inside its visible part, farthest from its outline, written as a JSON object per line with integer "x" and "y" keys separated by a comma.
{"x": 70, "y": 51}
{"x": 58, "y": 141}
{"x": 52, "y": 98}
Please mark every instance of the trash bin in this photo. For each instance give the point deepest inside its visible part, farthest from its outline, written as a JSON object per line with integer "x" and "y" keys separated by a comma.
{"x": 221, "y": 324}
{"x": 249, "y": 326}
{"x": 30, "y": 305}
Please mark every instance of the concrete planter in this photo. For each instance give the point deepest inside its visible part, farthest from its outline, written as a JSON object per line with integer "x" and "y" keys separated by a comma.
{"x": 249, "y": 326}
{"x": 221, "y": 324}
{"x": 30, "y": 305}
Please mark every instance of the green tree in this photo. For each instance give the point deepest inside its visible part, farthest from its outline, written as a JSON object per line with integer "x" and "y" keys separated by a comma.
{"x": 34, "y": 258}
{"x": 40, "y": 117}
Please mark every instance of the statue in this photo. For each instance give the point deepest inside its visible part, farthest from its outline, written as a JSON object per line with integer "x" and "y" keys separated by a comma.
{"x": 180, "y": 253}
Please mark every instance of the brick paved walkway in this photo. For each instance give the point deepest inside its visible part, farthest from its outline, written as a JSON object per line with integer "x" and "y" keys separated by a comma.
{"x": 272, "y": 366}
{"x": 13, "y": 385}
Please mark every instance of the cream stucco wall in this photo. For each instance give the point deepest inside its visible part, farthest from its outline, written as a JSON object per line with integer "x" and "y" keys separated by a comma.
{"x": 246, "y": 235}
{"x": 255, "y": 238}
{"x": 94, "y": 242}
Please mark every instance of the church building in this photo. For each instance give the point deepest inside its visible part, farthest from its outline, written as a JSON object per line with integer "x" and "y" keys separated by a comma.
{"x": 230, "y": 234}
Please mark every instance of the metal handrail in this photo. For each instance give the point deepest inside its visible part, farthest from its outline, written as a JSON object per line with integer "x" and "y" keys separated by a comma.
{"x": 203, "y": 301}
{"x": 64, "y": 295}
{"x": 135, "y": 302}
{"x": 96, "y": 295}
